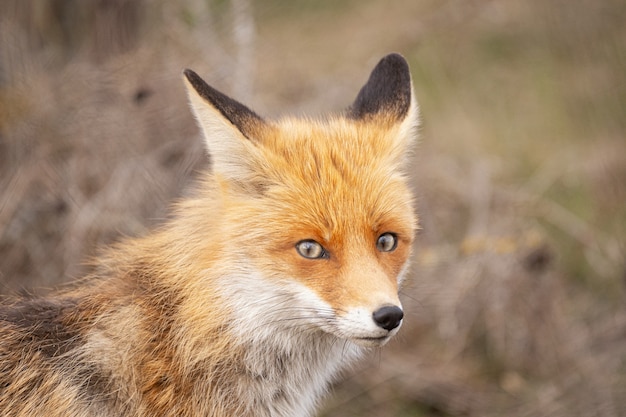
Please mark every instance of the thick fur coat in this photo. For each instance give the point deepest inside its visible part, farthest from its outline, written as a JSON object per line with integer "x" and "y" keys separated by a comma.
{"x": 278, "y": 274}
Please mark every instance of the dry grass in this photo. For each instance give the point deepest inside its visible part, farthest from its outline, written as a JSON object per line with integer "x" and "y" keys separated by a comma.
{"x": 516, "y": 306}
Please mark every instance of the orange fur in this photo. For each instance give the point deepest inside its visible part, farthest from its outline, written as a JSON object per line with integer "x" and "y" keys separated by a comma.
{"x": 218, "y": 313}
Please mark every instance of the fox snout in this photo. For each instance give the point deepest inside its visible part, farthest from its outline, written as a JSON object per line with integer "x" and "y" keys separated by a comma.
{"x": 371, "y": 323}
{"x": 370, "y": 328}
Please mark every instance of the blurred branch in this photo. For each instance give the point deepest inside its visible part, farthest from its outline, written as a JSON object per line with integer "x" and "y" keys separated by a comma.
{"x": 244, "y": 34}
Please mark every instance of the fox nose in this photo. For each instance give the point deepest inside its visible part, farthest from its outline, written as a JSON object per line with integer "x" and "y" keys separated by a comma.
{"x": 388, "y": 317}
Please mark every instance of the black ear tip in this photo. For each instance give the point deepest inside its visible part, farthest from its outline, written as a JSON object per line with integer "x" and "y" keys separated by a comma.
{"x": 198, "y": 84}
{"x": 190, "y": 75}
{"x": 236, "y": 113}
{"x": 393, "y": 63}
{"x": 395, "y": 58}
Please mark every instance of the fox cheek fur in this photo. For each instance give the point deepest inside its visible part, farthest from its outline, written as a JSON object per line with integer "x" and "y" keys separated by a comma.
{"x": 298, "y": 237}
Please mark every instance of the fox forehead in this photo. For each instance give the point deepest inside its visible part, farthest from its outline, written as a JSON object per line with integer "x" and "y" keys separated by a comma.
{"x": 335, "y": 179}
{"x": 348, "y": 146}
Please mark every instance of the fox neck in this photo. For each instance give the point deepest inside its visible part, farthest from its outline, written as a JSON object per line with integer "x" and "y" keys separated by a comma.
{"x": 288, "y": 359}
{"x": 287, "y": 377}
{"x": 284, "y": 361}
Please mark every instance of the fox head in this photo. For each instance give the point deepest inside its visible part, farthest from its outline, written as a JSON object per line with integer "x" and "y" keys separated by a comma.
{"x": 318, "y": 211}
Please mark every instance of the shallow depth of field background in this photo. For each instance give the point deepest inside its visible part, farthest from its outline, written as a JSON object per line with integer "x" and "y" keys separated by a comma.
{"x": 516, "y": 305}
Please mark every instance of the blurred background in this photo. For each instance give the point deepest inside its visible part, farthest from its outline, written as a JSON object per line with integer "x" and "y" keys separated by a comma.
{"x": 516, "y": 302}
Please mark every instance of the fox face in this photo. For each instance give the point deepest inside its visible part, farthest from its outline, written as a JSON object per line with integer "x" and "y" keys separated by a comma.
{"x": 316, "y": 214}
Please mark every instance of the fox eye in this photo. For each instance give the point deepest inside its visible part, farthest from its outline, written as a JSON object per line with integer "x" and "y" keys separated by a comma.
{"x": 387, "y": 242}
{"x": 310, "y": 249}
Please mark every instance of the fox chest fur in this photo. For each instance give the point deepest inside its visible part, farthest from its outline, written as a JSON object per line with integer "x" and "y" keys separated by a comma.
{"x": 280, "y": 272}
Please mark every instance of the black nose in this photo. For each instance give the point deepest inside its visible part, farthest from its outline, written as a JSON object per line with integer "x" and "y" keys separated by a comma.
{"x": 388, "y": 317}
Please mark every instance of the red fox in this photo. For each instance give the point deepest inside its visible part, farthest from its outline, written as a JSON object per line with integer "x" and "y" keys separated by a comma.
{"x": 280, "y": 272}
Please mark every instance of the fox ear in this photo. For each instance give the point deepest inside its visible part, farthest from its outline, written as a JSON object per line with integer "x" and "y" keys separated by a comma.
{"x": 388, "y": 97}
{"x": 230, "y": 129}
